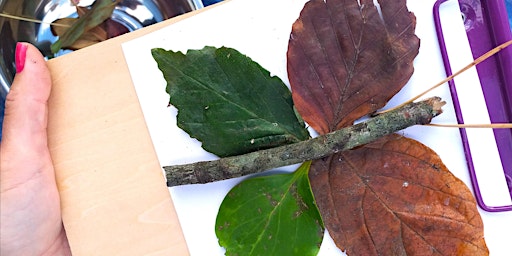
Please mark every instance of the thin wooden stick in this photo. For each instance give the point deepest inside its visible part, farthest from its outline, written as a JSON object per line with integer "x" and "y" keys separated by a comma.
{"x": 31, "y": 20}
{"x": 493, "y": 126}
{"x": 472, "y": 64}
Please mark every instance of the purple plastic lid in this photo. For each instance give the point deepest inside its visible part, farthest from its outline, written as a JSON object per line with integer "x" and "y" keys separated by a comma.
{"x": 485, "y": 32}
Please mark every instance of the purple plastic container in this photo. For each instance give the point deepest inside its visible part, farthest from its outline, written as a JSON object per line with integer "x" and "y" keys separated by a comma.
{"x": 486, "y": 23}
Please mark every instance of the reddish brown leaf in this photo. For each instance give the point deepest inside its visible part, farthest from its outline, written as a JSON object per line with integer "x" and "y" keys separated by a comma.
{"x": 345, "y": 61}
{"x": 396, "y": 197}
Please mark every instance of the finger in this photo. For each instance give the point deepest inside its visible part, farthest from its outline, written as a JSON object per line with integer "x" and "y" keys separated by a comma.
{"x": 24, "y": 150}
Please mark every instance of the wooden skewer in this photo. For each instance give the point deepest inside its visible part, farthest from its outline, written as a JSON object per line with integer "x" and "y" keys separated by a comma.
{"x": 493, "y": 126}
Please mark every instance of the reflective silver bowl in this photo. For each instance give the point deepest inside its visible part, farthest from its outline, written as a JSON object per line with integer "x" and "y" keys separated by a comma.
{"x": 129, "y": 14}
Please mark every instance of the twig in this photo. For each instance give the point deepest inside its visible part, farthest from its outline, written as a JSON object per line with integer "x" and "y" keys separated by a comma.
{"x": 344, "y": 139}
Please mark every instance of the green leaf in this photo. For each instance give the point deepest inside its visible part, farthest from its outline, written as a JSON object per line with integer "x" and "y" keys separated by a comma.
{"x": 229, "y": 102}
{"x": 100, "y": 11}
{"x": 271, "y": 215}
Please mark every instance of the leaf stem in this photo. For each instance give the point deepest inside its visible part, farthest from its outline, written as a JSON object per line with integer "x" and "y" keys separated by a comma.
{"x": 344, "y": 139}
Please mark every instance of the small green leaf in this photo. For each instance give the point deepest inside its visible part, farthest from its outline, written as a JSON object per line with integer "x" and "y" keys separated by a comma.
{"x": 229, "y": 102}
{"x": 100, "y": 11}
{"x": 271, "y": 215}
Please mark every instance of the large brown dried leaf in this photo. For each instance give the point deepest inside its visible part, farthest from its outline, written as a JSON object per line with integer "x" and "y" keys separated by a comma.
{"x": 395, "y": 197}
{"x": 345, "y": 61}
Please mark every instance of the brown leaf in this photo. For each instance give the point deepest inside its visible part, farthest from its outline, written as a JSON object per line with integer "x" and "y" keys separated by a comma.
{"x": 81, "y": 10}
{"x": 100, "y": 11}
{"x": 92, "y": 36}
{"x": 60, "y": 26}
{"x": 395, "y": 197}
{"x": 345, "y": 61}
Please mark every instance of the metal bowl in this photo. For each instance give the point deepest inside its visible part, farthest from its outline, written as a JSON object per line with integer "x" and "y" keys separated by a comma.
{"x": 129, "y": 14}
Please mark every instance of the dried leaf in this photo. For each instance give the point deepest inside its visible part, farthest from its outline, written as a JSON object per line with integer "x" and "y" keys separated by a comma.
{"x": 63, "y": 25}
{"x": 81, "y": 10}
{"x": 92, "y": 36}
{"x": 395, "y": 197}
{"x": 345, "y": 61}
{"x": 100, "y": 11}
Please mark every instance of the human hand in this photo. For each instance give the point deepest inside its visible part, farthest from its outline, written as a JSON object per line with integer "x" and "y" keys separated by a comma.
{"x": 30, "y": 213}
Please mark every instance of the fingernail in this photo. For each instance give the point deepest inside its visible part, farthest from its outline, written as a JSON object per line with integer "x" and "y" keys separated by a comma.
{"x": 21, "y": 55}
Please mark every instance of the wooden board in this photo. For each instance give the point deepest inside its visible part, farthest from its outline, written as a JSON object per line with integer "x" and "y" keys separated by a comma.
{"x": 113, "y": 194}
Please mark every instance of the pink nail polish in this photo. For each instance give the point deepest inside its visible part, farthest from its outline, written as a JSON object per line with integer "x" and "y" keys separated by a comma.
{"x": 21, "y": 55}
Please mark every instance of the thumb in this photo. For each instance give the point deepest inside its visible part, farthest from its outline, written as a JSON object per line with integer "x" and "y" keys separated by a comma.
{"x": 24, "y": 151}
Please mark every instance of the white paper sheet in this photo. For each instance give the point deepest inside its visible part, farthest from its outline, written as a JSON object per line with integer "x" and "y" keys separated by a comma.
{"x": 260, "y": 29}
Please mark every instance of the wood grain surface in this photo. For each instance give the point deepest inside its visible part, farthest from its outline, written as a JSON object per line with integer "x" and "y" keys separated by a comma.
{"x": 113, "y": 194}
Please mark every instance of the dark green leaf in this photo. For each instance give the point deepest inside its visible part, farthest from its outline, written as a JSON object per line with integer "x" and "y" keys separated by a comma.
{"x": 271, "y": 215}
{"x": 229, "y": 102}
{"x": 100, "y": 11}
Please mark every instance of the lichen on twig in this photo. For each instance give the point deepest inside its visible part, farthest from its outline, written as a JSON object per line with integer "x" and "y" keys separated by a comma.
{"x": 344, "y": 139}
